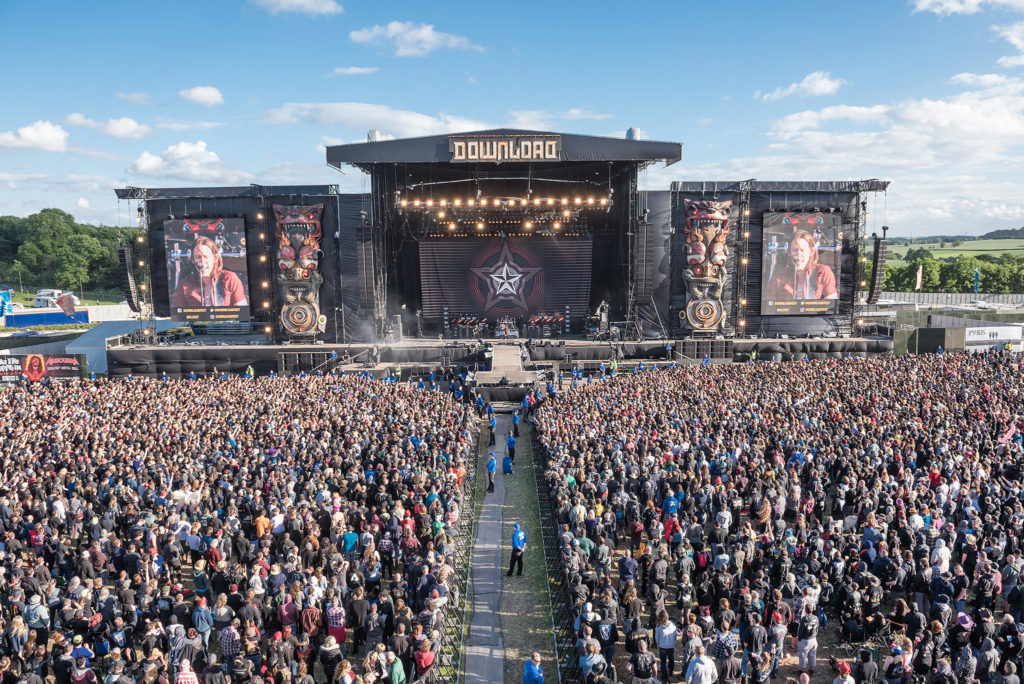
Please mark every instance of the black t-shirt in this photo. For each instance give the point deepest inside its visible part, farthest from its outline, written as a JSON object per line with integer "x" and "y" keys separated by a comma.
{"x": 643, "y": 664}
{"x": 757, "y": 639}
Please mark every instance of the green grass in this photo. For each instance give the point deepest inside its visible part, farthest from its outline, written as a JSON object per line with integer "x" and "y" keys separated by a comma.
{"x": 966, "y": 248}
{"x": 524, "y": 608}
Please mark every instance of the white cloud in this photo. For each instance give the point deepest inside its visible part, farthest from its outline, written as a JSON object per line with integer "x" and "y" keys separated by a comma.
{"x": 948, "y": 7}
{"x": 980, "y": 80}
{"x": 412, "y": 40}
{"x": 124, "y": 127}
{"x": 814, "y": 83}
{"x": 136, "y": 98}
{"x": 189, "y": 125}
{"x": 314, "y": 7}
{"x": 82, "y": 203}
{"x": 362, "y": 116}
{"x": 1014, "y": 35}
{"x": 578, "y": 113}
{"x": 353, "y": 71}
{"x": 531, "y": 120}
{"x": 41, "y": 135}
{"x": 187, "y": 161}
{"x": 204, "y": 95}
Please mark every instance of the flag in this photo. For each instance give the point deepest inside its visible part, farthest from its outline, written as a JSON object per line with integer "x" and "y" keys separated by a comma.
{"x": 66, "y": 302}
{"x": 920, "y": 277}
{"x": 976, "y": 275}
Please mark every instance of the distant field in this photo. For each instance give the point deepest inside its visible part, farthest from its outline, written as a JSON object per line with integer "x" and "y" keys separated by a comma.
{"x": 966, "y": 248}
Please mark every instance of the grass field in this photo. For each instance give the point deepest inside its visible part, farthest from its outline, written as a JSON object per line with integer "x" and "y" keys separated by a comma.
{"x": 524, "y": 608}
{"x": 966, "y": 248}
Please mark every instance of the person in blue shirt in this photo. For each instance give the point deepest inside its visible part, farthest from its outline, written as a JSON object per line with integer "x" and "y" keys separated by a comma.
{"x": 532, "y": 674}
{"x": 492, "y": 466}
{"x": 492, "y": 423}
{"x": 518, "y": 546}
{"x": 510, "y": 444}
{"x": 515, "y": 422}
{"x": 479, "y": 407}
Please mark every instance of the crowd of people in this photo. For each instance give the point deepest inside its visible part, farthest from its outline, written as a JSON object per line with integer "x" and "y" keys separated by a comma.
{"x": 713, "y": 522}
{"x": 240, "y": 530}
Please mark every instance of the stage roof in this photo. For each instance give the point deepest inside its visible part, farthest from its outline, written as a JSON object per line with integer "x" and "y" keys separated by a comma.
{"x": 221, "y": 192}
{"x": 871, "y": 185}
{"x": 436, "y": 149}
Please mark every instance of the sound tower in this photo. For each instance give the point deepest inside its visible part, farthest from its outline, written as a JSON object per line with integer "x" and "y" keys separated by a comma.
{"x": 878, "y": 266}
{"x": 642, "y": 254}
{"x": 131, "y": 291}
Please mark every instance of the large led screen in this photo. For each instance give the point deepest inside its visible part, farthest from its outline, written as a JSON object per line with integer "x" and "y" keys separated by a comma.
{"x": 207, "y": 274}
{"x": 512, "y": 277}
{"x": 800, "y": 263}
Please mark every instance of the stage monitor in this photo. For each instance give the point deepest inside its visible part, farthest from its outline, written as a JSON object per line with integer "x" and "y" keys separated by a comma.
{"x": 800, "y": 263}
{"x": 494, "y": 277}
{"x": 207, "y": 274}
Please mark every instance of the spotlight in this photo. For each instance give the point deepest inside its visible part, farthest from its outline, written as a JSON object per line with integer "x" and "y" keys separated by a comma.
{"x": 483, "y": 202}
{"x": 604, "y": 201}
{"x": 860, "y": 321}
{"x": 470, "y": 202}
{"x": 523, "y": 202}
{"x": 404, "y": 203}
{"x": 742, "y": 323}
{"x": 565, "y": 213}
{"x": 451, "y": 226}
{"x": 590, "y": 200}
{"x": 746, "y": 233}
{"x": 556, "y": 225}
{"x": 746, "y": 212}
{"x": 565, "y": 200}
{"x": 266, "y": 305}
{"x": 267, "y": 329}
{"x": 263, "y": 257}
{"x": 265, "y": 284}
{"x": 140, "y": 239}
{"x": 430, "y": 203}
{"x": 263, "y": 236}
{"x": 141, "y": 262}
{"x": 550, "y": 202}
{"x": 458, "y": 203}
{"x": 743, "y": 261}
{"x": 479, "y": 225}
{"x": 440, "y": 214}
{"x": 743, "y": 302}
{"x": 416, "y": 203}
{"x": 443, "y": 202}
{"x": 862, "y": 283}
{"x": 536, "y": 202}
{"x": 259, "y": 215}
{"x": 528, "y": 224}
{"x": 578, "y": 200}
{"x": 142, "y": 287}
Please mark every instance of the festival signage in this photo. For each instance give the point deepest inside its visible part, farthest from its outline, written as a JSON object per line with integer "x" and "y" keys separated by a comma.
{"x": 993, "y": 334}
{"x": 504, "y": 148}
{"x": 35, "y": 367}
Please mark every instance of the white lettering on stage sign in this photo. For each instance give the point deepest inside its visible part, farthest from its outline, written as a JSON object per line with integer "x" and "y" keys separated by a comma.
{"x": 500, "y": 148}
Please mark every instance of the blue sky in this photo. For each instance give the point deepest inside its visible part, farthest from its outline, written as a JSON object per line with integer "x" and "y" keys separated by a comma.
{"x": 926, "y": 93}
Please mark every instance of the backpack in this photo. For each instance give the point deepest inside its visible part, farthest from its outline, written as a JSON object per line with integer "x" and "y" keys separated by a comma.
{"x": 100, "y": 646}
{"x": 702, "y": 559}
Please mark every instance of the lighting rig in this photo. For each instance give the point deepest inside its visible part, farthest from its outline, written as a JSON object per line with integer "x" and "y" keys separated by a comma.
{"x": 475, "y": 215}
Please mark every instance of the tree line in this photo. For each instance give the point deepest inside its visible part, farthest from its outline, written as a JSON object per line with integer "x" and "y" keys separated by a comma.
{"x": 997, "y": 274}
{"x": 51, "y": 249}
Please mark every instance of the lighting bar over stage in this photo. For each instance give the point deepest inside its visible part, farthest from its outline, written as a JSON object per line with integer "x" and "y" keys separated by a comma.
{"x": 544, "y": 213}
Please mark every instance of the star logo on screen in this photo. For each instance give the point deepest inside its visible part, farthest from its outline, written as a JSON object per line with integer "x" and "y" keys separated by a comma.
{"x": 506, "y": 280}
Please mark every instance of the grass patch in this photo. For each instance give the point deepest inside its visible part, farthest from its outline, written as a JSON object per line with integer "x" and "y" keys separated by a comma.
{"x": 524, "y": 608}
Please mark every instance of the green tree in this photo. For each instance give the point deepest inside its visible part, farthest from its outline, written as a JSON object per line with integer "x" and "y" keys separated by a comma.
{"x": 46, "y": 236}
{"x": 958, "y": 274}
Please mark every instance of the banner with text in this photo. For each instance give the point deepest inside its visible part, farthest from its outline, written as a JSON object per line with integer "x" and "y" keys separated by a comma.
{"x": 36, "y": 367}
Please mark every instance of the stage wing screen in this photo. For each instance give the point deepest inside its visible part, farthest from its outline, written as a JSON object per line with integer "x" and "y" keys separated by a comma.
{"x": 800, "y": 263}
{"x": 513, "y": 277}
{"x": 207, "y": 274}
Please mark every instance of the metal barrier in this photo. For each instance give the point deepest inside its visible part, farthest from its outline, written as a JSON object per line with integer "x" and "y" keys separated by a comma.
{"x": 454, "y": 626}
{"x": 563, "y": 609}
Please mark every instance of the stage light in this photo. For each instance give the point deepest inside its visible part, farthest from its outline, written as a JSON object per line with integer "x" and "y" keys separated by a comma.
{"x": 860, "y": 321}
{"x": 483, "y": 202}
{"x": 259, "y": 215}
{"x": 528, "y": 224}
{"x": 536, "y": 202}
{"x": 142, "y": 287}
{"x": 266, "y": 305}
{"x": 590, "y": 200}
{"x": 140, "y": 239}
{"x": 746, "y": 233}
{"x": 523, "y": 202}
{"x": 604, "y": 201}
{"x": 743, "y": 302}
{"x": 480, "y": 225}
{"x": 550, "y": 201}
{"x": 579, "y": 200}
{"x": 743, "y": 261}
{"x": 746, "y": 212}
{"x": 742, "y": 323}
{"x": 267, "y": 330}
{"x": 404, "y": 203}
{"x": 565, "y": 200}
{"x": 440, "y": 214}
{"x": 470, "y": 202}
{"x": 862, "y": 283}
{"x": 263, "y": 257}
{"x": 430, "y": 203}
{"x": 416, "y": 203}
{"x": 556, "y": 225}
{"x": 566, "y": 213}
{"x": 451, "y": 226}
{"x": 458, "y": 203}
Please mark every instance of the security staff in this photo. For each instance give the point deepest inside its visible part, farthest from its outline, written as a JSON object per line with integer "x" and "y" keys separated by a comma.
{"x": 510, "y": 444}
{"x": 518, "y": 546}
{"x": 515, "y": 422}
{"x": 492, "y": 466}
{"x": 492, "y": 423}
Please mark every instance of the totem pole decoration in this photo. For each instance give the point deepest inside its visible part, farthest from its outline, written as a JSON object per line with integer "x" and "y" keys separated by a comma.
{"x": 706, "y": 230}
{"x": 298, "y": 260}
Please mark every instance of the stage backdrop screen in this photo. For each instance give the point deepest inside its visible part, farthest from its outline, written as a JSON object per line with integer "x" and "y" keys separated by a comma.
{"x": 207, "y": 274}
{"x": 800, "y": 263}
{"x": 513, "y": 277}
